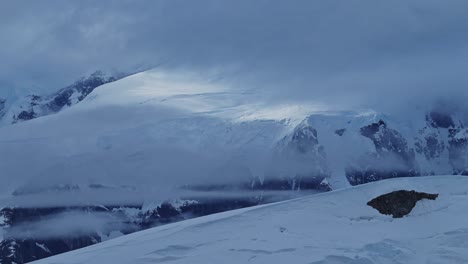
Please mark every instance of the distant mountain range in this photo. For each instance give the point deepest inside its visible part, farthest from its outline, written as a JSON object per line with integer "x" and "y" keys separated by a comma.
{"x": 218, "y": 148}
{"x": 34, "y": 106}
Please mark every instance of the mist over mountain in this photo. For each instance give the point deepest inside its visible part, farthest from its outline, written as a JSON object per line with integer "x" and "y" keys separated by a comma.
{"x": 347, "y": 55}
{"x": 119, "y": 116}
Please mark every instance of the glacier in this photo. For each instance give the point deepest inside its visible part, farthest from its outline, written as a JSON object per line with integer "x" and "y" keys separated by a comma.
{"x": 163, "y": 146}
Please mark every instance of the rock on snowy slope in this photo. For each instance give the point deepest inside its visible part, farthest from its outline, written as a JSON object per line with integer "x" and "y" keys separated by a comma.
{"x": 345, "y": 231}
{"x": 399, "y": 203}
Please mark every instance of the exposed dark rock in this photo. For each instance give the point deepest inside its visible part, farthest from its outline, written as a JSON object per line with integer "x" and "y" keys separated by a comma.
{"x": 340, "y": 132}
{"x": 392, "y": 159}
{"x": 30, "y": 111}
{"x": 387, "y": 140}
{"x": 439, "y": 119}
{"x": 399, "y": 203}
{"x": 37, "y": 106}
{"x": 2, "y": 107}
{"x": 458, "y": 150}
{"x": 295, "y": 184}
{"x": 82, "y": 87}
{"x": 27, "y": 115}
{"x": 25, "y": 249}
{"x": 269, "y": 184}
{"x": 300, "y": 162}
{"x": 304, "y": 139}
{"x": 441, "y": 135}
{"x": 245, "y": 186}
{"x": 212, "y": 206}
{"x": 431, "y": 145}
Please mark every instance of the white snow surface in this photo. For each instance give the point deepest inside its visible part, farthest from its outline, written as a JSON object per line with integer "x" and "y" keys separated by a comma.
{"x": 141, "y": 129}
{"x": 160, "y": 128}
{"x": 335, "y": 227}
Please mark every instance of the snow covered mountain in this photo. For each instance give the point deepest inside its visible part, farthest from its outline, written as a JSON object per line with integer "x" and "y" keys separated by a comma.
{"x": 202, "y": 120}
{"x": 14, "y": 110}
{"x": 158, "y": 147}
{"x": 115, "y": 159}
{"x": 346, "y": 230}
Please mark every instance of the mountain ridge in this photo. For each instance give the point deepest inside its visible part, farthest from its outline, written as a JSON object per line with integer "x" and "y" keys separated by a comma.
{"x": 33, "y": 106}
{"x": 159, "y": 136}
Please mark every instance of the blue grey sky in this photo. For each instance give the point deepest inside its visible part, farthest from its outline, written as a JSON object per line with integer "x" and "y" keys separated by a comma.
{"x": 338, "y": 51}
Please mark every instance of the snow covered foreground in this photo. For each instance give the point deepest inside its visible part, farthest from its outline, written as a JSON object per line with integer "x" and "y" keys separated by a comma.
{"x": 335, "y": 227}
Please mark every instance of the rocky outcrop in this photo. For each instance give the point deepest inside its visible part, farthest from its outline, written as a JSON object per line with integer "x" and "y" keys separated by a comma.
{"x": 78, "y": 91}
{"x": 392, "y": 157}
{"x": 444, "y": 140}
{"x": 438, "y": 119}
{"x": 2, "y": 107}
{"x": 299, "y": 162}
{"x": 458, "y": 150}
{"x": 399, "y": 203}
{"x": 34, "y": 106}
{"x": 430, "y": 143}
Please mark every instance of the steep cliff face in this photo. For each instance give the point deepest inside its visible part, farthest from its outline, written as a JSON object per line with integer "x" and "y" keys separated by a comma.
{"x": 392, "y": 157}
{"x": 443, "y": 144}
{"x": 458, "y": 150}
{"x": 399, "y": 203}
{"x": 299, "y": 162}
{"x": 374, "y": 146}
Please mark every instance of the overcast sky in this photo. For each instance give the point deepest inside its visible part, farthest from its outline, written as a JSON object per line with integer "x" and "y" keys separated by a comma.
{"x": 338, "y": 51}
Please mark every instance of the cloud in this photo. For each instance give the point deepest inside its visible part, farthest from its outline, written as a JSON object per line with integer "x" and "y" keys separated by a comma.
{"x": 388, "y": 55}
{"x": 69, "y": 224}
{"x": 353, "y": 53}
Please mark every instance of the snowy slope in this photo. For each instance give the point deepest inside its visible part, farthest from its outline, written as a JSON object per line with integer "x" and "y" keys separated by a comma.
{"x": 136, "y": 142}
{"x": 336, "y": 227}
{"x": 147, "y": 124}
{"x": 191, "y": 119}
{"x": 160, "y": 136}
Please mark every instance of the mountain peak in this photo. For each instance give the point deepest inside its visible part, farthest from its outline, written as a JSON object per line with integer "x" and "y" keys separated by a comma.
{"x": 33, "y": 106}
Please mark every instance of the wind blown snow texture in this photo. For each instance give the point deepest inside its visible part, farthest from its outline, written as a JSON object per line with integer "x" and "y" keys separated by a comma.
{"x": 336, "y": 227}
